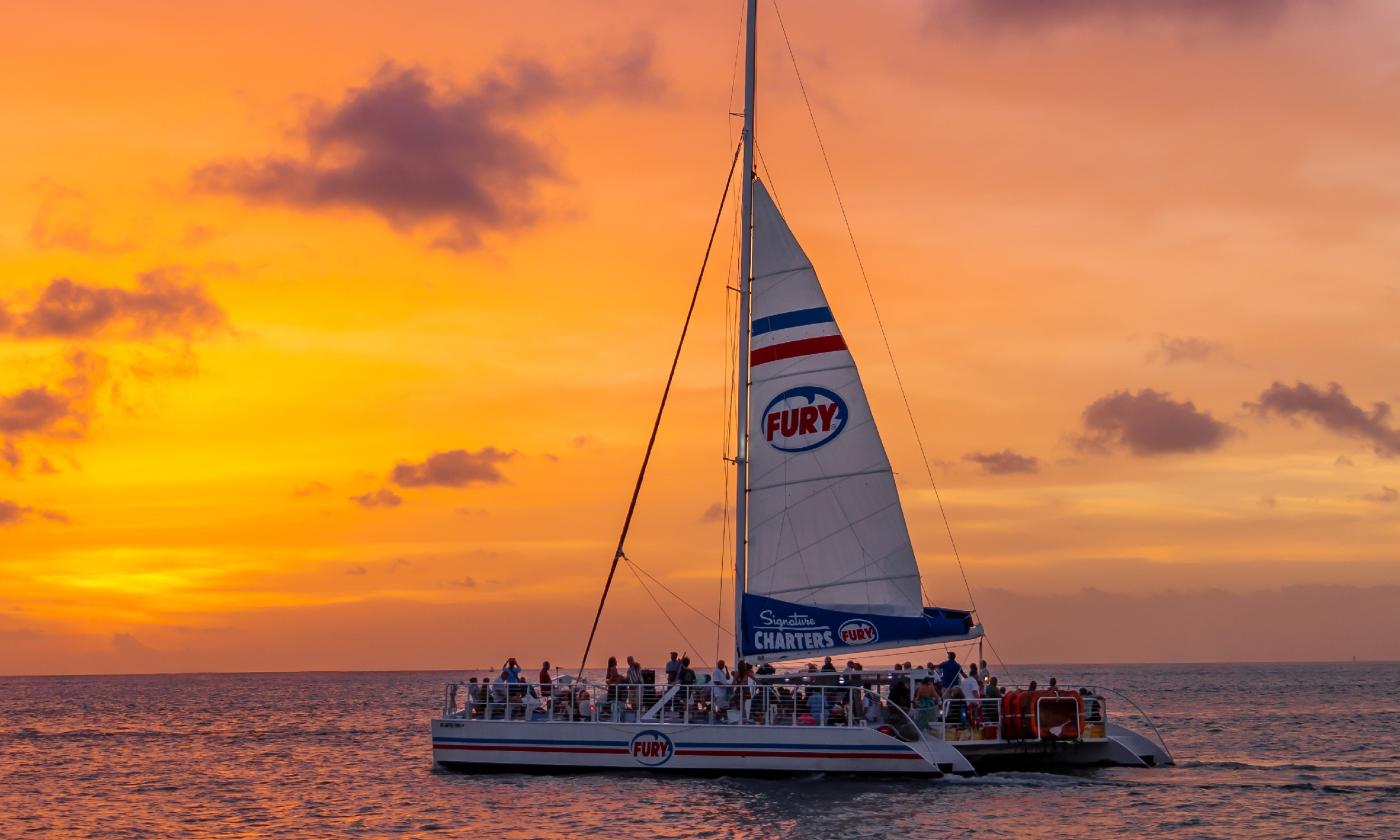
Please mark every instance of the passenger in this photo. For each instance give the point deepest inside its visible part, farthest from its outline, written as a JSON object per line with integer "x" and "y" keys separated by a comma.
{"x": 546, "y": 680}
{"x": 899, "y": 690}
{"x": 673, "y": 669}
{"x": 687, "y": 676}
{"x": 720, "y": 678}
{"x": 992, "y": 689}
{"x": 1054, "y": 684}
{"x": 1032, "y": 686}
{"x": 512, "y": 671}
{"x": 926, "y": 701}
{"x": 827, "y": 666}
{"x": 986, "y": 674}
{"x": 816, "y": 705}
{"x": 766, "y": 670}
{"x": 811, "y": 667}
{"x": 498, "y": 696}
{"x": 992, "y": 692}
{"x": 957, "y": 704}
{"x": 873, "y": 714}
{"x": 972, "y": 693}
{"x": 950, "y": 671}
{"x": 634, "y": 672}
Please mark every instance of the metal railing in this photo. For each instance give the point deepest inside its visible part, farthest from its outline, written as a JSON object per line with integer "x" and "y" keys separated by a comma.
{"x": 719, "y": 704}
{"x": 765, "y": 704}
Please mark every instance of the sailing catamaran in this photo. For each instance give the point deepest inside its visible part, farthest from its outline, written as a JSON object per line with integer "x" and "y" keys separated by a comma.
{"x": 824, "y": 565}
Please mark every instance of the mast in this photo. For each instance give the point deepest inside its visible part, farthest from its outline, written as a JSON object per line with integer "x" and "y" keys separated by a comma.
{"x": 741, "y": 450}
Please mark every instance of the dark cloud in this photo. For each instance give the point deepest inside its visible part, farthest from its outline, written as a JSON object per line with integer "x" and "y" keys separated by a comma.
{"x": 45, "y": 467}
{"x": 1173, "y": 349}
{"x": 713, "y": 513}
{"x": 465, "y": 583}
{"x": 1150, "y": 423}
{"x": 13, "y": 513}
{"x": 161, "y": 304}
{"x": 1343, "y": 461}
{"x": 456, "y": 468}
{"x": 1241, "y": 16}
{"x": 358, "y": 571}
{"x": 383, "y": 497}
{"x": 1333, "y": 410}
{"x": 10, "y": 454}
{"x": 311, "y": 488}
{"x": 423, "y": 155}
{"x": 1004, "y": 462}
{"x": 61, "y": 411}
{"x": 1385, "y": 496}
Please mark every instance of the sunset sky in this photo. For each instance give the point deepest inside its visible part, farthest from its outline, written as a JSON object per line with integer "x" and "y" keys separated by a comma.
{"x": 331, "y": 334}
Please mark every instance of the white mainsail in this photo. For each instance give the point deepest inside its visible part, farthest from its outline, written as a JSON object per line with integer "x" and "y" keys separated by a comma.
{"x": 826, "y": 528}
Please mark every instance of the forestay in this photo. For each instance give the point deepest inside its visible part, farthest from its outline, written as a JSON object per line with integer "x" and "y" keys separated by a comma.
{"x": 826, "y": 529}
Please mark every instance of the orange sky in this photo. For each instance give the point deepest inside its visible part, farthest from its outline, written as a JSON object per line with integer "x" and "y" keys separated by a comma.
{"x": 253, "y": 257}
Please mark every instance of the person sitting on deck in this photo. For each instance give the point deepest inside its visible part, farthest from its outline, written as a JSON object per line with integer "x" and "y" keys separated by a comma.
{"x": 1033, "y": 686}
{"x": 950, "y": 670}
{"x": 1054, "y": 684}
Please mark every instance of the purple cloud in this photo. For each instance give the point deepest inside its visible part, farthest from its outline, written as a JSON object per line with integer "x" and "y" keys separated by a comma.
{"x": 1385, "y": 497}
{"x": 61, "y": 411}
{"x": 1150, "y": 423}
{"x": 713, "y": 513}
{"x": 1004, "y": 462}
{"x": 311, "y": 488}
{"x": 383, "y": 497}
{"x": 160, "y": 304}
{"x": 12, "y": 513}
{"x": 1334, "y": 411}
{"x": 1036, "y": 15}
{"x": 1172, "y": 349}
{"x": 456, "y": 468}
{"x": 422, "y": 155}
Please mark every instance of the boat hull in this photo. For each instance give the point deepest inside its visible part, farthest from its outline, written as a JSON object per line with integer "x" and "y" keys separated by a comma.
{"x": 685, "y": 748}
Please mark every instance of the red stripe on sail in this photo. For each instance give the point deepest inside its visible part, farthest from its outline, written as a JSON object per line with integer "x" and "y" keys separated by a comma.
{"x": 792, "y": 349}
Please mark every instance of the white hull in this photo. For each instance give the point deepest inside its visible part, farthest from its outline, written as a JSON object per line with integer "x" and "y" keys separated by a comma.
{"x": 694, "y": 748}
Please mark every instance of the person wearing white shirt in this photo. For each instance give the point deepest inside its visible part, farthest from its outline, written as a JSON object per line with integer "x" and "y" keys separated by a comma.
{"x": 720, "y": 678}
{"x": 972, "y": 691}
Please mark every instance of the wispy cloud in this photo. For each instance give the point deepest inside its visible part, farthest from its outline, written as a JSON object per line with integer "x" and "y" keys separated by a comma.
{"x": 1005, "y": 462}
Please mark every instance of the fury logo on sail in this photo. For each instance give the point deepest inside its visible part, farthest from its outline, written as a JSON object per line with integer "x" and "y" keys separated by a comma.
{"x": 803, "y": 418}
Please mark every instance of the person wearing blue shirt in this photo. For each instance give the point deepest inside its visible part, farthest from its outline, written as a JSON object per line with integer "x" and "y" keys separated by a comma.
{"x": 512, "y": 670}
{"x": 949, "y": 671}
{"x": 816, "y": 705}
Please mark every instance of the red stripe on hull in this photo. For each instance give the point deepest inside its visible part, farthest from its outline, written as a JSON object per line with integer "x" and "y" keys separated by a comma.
{"x": 792, "y": 349}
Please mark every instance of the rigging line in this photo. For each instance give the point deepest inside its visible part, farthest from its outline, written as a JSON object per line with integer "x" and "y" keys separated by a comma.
{"x": 768, "y": 181}
{"x": 656, "y": 426}
{"x": 689, "y": 644}
{"x": 637, "y": 567}
{"x": 870, "y": 292}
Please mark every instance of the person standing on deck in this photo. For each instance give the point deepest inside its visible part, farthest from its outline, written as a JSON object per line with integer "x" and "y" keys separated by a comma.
{"x": 721, "y": 678}
{"x": 950, "y": 670}
{"x": 546, "y": 680}
{"x": 673, "y": 669}
{"x": 972, "y": 692}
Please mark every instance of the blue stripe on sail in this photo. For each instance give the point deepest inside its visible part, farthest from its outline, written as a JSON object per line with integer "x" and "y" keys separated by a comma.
{"x": 798, "y": 318}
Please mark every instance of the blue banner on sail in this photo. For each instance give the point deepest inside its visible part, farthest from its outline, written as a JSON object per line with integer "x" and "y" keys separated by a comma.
{"x": 775, "y": 629}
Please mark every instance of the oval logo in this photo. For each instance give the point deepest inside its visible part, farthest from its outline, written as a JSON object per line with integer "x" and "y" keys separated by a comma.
{"x": 857, "y": 631}
{"x": 652, "y": 748}
{"x": 803, "y": 418}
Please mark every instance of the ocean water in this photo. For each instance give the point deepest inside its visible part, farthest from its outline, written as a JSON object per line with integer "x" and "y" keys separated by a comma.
{"x": 1262, "y": 751}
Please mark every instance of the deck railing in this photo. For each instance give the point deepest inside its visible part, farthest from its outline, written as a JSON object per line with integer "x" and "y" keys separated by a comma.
{"x": 766, "y": 704}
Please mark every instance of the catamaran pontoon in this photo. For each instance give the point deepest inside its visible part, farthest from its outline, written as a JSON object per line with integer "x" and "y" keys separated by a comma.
{"x": 823, "y": 565}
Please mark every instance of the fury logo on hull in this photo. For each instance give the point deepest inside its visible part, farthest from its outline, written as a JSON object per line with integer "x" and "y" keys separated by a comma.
{"x": 651, "y": 748}
{"x": 801, "y": 419}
